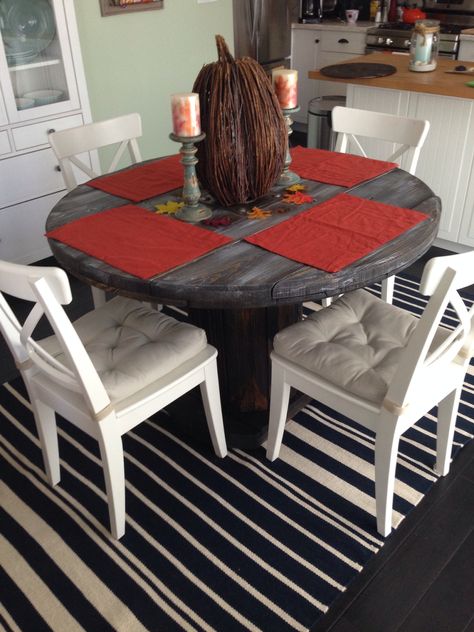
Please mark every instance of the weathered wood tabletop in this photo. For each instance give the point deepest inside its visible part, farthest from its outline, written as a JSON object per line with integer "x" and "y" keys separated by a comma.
{"x": 241, "y": 294}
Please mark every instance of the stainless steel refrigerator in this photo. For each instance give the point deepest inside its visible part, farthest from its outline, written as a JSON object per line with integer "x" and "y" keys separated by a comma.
{"x": 262, "y": 30}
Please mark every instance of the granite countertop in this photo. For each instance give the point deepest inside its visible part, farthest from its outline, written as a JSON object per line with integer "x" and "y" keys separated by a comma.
{"x": 439, "y": 81}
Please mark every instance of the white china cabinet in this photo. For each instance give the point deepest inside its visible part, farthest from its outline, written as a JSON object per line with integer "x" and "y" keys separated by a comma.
{"x": 42, "y": 89}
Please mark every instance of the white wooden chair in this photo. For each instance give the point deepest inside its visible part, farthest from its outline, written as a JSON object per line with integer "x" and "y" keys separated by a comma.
{"x": 113, "y": 368}
{"x": 355, "y": 127}
{"x": 69, "y": 144}
{"x": 382, "y": 367}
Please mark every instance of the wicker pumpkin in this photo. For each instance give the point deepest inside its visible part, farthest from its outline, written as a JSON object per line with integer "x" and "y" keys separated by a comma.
{"x": 244, "y": 150}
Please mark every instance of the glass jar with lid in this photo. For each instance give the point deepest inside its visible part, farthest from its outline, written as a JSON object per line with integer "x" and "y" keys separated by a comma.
{"x": 424, "y": 45}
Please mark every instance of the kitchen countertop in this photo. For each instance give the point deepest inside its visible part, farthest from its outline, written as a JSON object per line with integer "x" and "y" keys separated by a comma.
{"x": 435, "y": 82}
{"x": 335, "y": 25}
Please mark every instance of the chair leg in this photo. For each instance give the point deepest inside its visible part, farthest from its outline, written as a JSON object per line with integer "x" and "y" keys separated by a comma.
{"x": 388, "y": 285}
{"x": 98, "y": 297}
{"x": 111, "y": 452}
{"x": 447, "y": 413}
{"x": 45, "y": 418}
{"x": 212, "y": 407}
{"x": 386, "y": 450}
{"x": 279, "y": 398}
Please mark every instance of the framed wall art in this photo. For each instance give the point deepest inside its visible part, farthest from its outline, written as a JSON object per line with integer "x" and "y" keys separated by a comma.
{"x": 122, "y": 7}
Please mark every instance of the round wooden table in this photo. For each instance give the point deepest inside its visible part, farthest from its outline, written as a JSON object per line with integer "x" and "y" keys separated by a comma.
{"x": 241, "y": 294}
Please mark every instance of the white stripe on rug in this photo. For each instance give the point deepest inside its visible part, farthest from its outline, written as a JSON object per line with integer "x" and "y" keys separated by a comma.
{"x": 73, "y": 509}
{"x": 327, "y": 514}
{"x": 37, "y": 592}
{"x": 94, "y": 590}
{"x": 357, "y": 464}
{"x": 238, "y": 514}
{"x": 367, "y": 441}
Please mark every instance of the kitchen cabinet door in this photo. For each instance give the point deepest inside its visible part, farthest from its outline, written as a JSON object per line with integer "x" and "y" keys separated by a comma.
{"x": 36, "y": 64}
{"x": 466, "y": 50}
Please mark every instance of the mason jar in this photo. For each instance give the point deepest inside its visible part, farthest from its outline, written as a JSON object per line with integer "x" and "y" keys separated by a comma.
{"x": 424, "y": 45}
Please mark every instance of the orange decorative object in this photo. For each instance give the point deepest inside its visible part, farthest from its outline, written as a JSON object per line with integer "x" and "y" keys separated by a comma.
{"x": 410, "y": 16}
{"x": 297, "y": 198}
{"x": 258, "y": 213}
{"x": 186, "y": 114}
{"x": 285, "y": 84}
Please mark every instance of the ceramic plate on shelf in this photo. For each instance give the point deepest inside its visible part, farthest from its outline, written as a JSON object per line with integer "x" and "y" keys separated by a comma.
{"x": 28, "y": 27}
{"x": 44, "y": 97}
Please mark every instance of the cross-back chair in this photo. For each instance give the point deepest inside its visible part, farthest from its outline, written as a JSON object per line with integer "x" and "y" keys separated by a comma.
{"x": 111, "y": 370}
{"x": 69, "y": 144}
{"x": 355, "y": 126}
{"x": 382, "y": 367}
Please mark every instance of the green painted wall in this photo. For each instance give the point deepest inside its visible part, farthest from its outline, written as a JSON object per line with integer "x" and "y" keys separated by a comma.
{"x": 134, "y": 62}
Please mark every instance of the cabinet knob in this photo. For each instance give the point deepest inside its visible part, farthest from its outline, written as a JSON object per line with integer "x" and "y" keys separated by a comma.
{"x": 50, "y": 131}
{"x": 316, "y": 41}
{"x": 343, "y": 40}
{"x": 57, "y": 168}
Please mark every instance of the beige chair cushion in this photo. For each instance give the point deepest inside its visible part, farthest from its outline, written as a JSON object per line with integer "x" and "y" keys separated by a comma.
{"x": 131, "y": 345}
{"x": 355, "y": 343}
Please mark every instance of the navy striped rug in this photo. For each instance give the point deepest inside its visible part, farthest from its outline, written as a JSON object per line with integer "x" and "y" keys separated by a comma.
{"x": 234, "y": 544}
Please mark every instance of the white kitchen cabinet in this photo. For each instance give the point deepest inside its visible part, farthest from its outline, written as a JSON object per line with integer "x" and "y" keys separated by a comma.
{"x": 42, "y": 89}
{"x": 336, "y": 48}
{"x": 466, "y": 48}
{"x": 317, "y": 45}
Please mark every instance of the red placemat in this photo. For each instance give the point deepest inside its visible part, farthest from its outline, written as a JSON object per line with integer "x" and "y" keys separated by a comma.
{"x": 330, "y": 167}
{"x": 143, "y": 182}
{"x": 138, "y": 241}
{"x": 334, "y": 234}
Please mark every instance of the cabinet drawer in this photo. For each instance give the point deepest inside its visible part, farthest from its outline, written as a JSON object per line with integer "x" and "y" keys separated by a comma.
{"x": 28, "y": 176}
{"x": 4, "y": 143}
{"x": 37, "y": 134}
{"x": 22, "y": 230}
{"x": 343, "y": 41}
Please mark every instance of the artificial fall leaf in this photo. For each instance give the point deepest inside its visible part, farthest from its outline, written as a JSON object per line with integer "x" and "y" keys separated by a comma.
{"x": 169, "y": 208}
{"x": 296, "y": 187}
{"x": 297, "y": 198}
{"x": 258, "y": 213}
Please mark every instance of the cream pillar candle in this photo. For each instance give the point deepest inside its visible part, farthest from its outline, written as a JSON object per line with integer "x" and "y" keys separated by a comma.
{"x": 285, "y": 84}
{"x": 186, "y": 114}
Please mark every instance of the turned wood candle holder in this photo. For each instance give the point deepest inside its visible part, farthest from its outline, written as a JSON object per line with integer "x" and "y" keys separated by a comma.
{"x": 288, "y": 177}
{"x": 192, "y": 211}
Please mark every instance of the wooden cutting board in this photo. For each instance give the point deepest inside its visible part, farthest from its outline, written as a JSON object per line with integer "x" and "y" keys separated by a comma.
{"x": 358, "y": 70}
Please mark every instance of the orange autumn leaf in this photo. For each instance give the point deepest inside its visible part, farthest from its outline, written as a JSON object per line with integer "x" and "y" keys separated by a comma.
{"x": 258, "y": 213}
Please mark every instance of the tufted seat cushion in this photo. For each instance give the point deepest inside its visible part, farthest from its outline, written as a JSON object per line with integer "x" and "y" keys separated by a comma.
{"x": 355, "y": 343}
{"x": 132, "y": 345}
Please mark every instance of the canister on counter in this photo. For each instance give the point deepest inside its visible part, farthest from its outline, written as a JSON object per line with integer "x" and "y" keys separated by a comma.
{"x": 424, "y": 46}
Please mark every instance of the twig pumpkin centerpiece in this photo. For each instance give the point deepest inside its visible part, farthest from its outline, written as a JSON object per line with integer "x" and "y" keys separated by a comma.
{"x": 244, "y": 150}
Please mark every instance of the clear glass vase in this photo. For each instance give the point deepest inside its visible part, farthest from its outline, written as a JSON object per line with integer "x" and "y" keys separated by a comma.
{"x": 424, "y": 46}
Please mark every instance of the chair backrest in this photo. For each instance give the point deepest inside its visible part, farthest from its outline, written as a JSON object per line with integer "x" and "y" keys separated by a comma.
{"x": 407, "y": 133}
{"x": 48, "y": 289}
{"x": 67, "y": 144}
{"x": 428, "y": 353}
